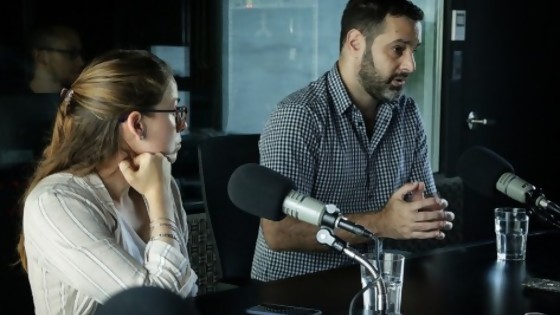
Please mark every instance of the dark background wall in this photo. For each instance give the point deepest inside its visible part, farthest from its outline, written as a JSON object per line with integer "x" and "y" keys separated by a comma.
{"x": 104, "y": 25}
{"x": 508, "y": 76}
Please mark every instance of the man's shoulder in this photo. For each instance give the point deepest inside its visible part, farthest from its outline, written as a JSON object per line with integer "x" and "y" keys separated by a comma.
{"x": 408, "y": 112}
{"x": 405, "y": 100}
{"x": 406, "y": 105}
{"x": 311, "y": 97}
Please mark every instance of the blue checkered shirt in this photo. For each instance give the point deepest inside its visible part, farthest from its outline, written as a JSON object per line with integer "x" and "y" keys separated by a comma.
{"x": 317, "y": 137}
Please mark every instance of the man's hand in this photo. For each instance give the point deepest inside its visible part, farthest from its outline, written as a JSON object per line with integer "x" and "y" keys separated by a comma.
{"x": 410, "y": 215}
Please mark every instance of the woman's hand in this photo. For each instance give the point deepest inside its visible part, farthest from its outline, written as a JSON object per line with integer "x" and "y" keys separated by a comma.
{"x": 148, "y": 173}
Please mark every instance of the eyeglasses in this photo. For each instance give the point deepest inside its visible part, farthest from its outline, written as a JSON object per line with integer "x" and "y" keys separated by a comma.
{"x": 180, "y": 113}
{"x": 72, "y": 54}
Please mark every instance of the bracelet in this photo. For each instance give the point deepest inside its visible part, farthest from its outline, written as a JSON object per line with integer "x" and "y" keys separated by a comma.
{"x": 169, "y": 225}
{"x": 162, "y": 219}
{"x": 166, "y": 235}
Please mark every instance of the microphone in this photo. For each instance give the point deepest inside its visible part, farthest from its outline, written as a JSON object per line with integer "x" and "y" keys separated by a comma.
{"x": 488, "y": 173}
{"x": 265, "y": 193}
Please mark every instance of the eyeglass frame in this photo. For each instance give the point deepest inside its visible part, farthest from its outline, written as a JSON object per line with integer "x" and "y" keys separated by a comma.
{"x": 180, "y": 113}
{"x": 72, "y": 54}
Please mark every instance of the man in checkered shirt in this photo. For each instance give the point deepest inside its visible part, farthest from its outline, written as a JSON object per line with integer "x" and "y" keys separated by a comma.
{"x": 351, "y": 139}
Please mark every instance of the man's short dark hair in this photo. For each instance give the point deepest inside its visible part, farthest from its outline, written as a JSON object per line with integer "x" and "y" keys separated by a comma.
{"x": 368, "y": 16}
{"x": 44, "y": 35}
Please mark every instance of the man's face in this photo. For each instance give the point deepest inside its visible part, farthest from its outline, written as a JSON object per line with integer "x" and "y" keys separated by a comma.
{"x": 390, "y": 59}
{"x": 64, "y": 58}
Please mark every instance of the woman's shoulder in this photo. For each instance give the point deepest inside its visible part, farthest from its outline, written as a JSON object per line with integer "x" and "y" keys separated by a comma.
{"x": 56, "y": 181}
{"x": 64, "y": 184}
{"x": 65, "y": 194}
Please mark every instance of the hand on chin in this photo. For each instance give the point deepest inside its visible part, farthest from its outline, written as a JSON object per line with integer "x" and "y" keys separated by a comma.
{"x": 171, "y": 157}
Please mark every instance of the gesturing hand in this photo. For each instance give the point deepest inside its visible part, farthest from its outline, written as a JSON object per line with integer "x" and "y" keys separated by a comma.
{"x": 418, "y": 217}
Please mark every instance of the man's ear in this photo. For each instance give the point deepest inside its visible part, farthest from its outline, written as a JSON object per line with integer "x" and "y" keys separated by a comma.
{"x": 355, "y": 42}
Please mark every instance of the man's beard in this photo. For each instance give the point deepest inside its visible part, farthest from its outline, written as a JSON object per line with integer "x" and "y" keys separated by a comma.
{"x": 373, "y": 82}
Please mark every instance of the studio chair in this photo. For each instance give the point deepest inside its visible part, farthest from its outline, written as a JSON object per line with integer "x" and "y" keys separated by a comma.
{"x": 235, "y": 232}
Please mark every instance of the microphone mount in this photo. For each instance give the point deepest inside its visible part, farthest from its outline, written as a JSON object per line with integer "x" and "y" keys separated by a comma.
{"x": 326, "y": 236}
{"x": 333, "y": 218}
{"x": 545, "y": 209}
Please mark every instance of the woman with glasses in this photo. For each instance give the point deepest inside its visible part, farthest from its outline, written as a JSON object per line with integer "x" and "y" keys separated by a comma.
{"x": 102, "y": 212}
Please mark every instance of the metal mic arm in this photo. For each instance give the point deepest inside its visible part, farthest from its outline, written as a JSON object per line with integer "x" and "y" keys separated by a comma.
{"x": 545, "y": 209}
{"x": 325, "y": 236}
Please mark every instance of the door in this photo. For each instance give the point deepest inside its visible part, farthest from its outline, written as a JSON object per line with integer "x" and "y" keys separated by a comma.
{"x": 492, "y": 96}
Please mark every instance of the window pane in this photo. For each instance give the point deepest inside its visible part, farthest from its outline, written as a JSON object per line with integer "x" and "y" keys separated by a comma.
{"x": 424, "y": 85}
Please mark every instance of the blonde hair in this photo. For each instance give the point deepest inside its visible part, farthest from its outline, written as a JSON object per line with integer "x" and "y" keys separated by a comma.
{"x": 85, "y": 132}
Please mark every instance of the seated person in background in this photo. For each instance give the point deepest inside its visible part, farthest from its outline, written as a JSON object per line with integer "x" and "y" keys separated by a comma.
{"x": 351, "y": 139}
{"x": 56, "y": 55}
{"x": 102, "y": 212}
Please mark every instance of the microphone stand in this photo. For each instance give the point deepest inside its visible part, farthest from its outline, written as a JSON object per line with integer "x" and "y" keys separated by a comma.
{"x": 543, "y": 208}
{"x": 325, "y": 236}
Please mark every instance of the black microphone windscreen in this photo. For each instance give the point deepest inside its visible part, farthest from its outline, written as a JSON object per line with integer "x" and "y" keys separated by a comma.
{"x": 259, "y": 191}
{"x": 480, "y": 168}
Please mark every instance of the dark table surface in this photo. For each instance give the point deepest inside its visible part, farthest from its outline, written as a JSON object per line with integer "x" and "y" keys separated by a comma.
{"x": 453, "y": 281}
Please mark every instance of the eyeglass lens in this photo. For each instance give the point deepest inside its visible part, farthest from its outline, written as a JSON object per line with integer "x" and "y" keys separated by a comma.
{"x": 181, "y": 118}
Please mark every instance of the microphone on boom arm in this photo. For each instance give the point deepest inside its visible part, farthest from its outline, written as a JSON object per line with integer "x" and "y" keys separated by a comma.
{"x": 489, "y": 174}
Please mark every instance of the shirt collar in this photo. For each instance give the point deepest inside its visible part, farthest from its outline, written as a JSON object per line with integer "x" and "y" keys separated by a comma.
{"x": 338, "y": 91}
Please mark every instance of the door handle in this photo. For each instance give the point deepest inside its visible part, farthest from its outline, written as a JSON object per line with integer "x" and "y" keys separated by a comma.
{"x": 473, "y": 121}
